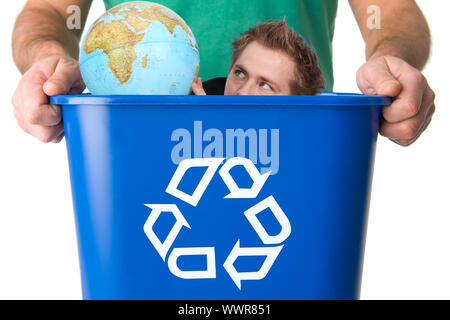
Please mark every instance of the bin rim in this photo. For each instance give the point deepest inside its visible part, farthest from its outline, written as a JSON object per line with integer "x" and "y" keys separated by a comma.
{"x": 323, "y": 99}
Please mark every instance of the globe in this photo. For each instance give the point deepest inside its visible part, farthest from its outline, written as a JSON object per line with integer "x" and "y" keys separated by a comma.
{"x": 139, "y": 47}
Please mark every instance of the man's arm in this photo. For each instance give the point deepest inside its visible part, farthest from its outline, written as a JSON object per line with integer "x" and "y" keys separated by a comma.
{"x": 45, "y": 50}
{"x": 395, "y": 53}
{"x": 40, "y": 31}
{"x": 404, "y": 32}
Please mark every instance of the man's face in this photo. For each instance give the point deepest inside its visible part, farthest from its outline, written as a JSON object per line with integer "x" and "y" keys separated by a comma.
{"x": 260, "y": 71}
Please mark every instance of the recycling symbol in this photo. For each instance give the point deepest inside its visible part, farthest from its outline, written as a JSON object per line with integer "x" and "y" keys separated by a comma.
{"x": 269, "y": 251}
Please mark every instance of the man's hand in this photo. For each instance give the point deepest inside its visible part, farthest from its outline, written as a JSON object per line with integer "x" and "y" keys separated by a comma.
{"x": 197, "y": 87}
{"x": 49, "y": 76}
{"x": 395, "y": 51}
{"x": 413, "y": 107}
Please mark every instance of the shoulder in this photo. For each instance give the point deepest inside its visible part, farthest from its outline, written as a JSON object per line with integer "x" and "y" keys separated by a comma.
{"x": 215, "y": 86}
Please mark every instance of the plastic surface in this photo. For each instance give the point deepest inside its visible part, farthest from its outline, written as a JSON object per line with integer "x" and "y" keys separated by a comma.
{"x": 325, "y": 99}
{"x": 124, "y": 151}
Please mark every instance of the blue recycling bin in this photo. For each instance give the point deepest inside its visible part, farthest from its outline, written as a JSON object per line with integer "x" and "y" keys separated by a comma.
{"x": 221, "y": 197}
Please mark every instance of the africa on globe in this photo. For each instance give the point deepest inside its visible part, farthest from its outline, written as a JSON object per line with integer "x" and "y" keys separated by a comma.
{"x": 139, "y": 47}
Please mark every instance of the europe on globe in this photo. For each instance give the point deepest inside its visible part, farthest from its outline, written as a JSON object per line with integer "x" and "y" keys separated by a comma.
{"x": 139, "y": 47}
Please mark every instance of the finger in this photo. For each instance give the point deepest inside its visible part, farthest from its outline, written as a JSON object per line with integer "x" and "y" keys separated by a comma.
{"x": 32, "y": 110}
{"x": 398, "y": 133}
{"x": 58, "y": 138}
{"x": 411, "y": 98}
{"x": 45, "y": 115}
{"x": 46, "y": 133}
{"x": 406, "y": 129}
{"x": 429, "y": 120}
{"x": 37, "y": 111}
{"x": 66, "y": 78}
{"x": 411, "y": 127}
{"x": 197, "y": 87}
{"x": 31, "y": 104}
{"x": 409, "y": 102}
{"x": 394, "y": 77}
{"x": 375, "y": 77}
{"x": 407, "y": 142}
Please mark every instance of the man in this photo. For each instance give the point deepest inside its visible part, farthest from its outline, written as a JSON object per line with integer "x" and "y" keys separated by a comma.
{"x": 268, "y": 59}
{"x": 45, "y": 50}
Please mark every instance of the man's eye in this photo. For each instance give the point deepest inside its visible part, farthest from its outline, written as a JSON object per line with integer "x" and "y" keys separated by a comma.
{"x": 239, "y": 73}
{"x": 265, "y": 86}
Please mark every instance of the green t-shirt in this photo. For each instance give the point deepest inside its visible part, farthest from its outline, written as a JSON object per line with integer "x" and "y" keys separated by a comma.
{"x": 215, "y": 24}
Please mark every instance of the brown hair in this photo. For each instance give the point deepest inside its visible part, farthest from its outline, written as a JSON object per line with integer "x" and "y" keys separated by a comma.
{"x": 308, "y": 78}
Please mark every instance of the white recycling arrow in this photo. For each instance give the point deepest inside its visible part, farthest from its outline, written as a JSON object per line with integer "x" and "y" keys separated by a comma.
{"x": 210, "y": 271}
{"x": 257, "y": 178}
{"x": 272, "y": 204}
{"x": 163, "y": 247}
{"x": 271, "y": 254}
{"x": 172, "y": 188}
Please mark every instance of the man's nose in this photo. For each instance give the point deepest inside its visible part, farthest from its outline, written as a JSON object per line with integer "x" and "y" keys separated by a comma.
{"x": 247, "y": 89}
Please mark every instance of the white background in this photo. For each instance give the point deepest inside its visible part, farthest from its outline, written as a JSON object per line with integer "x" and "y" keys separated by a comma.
{"x": 408, "y": 240}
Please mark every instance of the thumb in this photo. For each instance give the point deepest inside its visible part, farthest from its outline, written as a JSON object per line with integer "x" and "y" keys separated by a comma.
{"x": 375, "y": 77}
{"x": 389, "y": 87}
{"x": 197, "y": 87}
{"x": 65, "y": 79}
